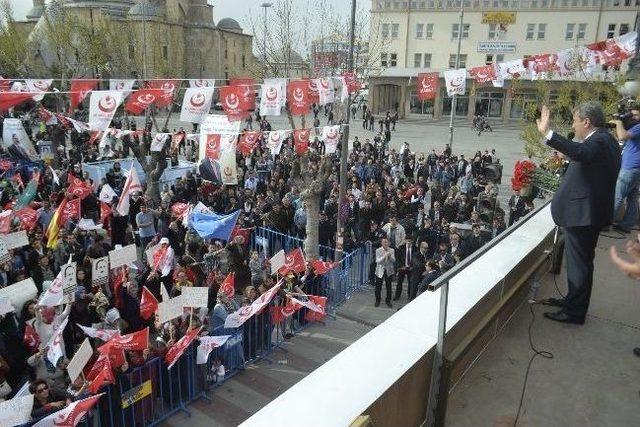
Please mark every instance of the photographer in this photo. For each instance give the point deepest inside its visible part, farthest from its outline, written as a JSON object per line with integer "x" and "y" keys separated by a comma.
{"x": 627, "y": 129}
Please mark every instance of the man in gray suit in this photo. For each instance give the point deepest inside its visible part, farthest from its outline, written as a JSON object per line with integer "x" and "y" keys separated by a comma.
{"x": 583, "y": 203}
{"x": 385, "y": 270}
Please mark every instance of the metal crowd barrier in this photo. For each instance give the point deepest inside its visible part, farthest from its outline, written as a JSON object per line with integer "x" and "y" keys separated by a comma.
{"x": 149, "y": 394}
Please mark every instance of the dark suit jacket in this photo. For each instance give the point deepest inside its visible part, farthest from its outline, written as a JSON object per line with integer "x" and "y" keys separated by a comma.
{"x": 427, "y": 280}
{"x": 586, "y": 193}
{"x": 401, "y": 254}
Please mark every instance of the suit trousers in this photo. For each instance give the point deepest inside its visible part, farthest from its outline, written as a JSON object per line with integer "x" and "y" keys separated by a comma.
{"x": 580, "y": 245}
{"x": 402, "y": 273}
{"x": 387, "y": 282}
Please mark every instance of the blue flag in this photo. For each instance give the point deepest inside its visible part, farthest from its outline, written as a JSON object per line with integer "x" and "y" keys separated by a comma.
{"x": 214, "y": 226}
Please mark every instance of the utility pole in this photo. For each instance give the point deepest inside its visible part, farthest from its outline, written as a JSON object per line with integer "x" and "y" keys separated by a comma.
{"x": 265, "y": 6}
{"x": 437, "y": 399}
{"x": 144, "y": 41}
{"x": 344, "y": 147}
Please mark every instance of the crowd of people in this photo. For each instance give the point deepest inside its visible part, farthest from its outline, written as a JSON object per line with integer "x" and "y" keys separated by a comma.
{"x": 421, "y": 212}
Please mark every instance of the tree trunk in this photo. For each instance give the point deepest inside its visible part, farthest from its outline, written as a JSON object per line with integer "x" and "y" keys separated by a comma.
{"x": 312, "y": 207}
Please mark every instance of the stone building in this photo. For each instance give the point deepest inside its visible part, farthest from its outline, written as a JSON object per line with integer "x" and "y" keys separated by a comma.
{"x": 176, "y": 38}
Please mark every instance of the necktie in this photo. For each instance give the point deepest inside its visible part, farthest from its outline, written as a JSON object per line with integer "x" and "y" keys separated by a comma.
{"x": 408, "y": 260}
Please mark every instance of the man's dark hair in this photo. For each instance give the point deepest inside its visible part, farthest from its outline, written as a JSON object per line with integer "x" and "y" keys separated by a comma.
{"x": 591, "y": 110}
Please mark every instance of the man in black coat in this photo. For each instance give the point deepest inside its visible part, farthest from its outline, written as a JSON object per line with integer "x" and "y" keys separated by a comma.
{"x": 583, "y": 204}
{"x": 419, "y": 263}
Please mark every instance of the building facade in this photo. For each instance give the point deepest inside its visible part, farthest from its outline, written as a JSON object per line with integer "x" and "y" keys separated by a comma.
{"x": 330, "y": 56}
{"x": 175, "y": 38}
{"x": 422, "y": 36}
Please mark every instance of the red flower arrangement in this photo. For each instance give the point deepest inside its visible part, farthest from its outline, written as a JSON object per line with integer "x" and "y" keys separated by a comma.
{"x": 522, "y": 174}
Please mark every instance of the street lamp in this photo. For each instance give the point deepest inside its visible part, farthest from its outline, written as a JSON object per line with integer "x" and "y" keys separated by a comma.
{"x": 265, "y": 6}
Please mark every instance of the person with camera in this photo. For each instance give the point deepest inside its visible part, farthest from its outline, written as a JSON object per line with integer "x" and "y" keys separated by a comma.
{"x": 627, "y": 130}
{"x": 583, "y": 203}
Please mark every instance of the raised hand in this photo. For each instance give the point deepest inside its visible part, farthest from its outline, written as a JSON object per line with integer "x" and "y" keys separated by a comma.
{"x": 543, "y": 121}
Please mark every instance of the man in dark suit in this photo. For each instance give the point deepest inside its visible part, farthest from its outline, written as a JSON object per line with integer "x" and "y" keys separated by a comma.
{"x": 418, "y": 262}
{"x": 516, "y": 207}
{"x": 583, "y": 204}
{"x": 404, "y": 262}
{"x": 431, "y": 273}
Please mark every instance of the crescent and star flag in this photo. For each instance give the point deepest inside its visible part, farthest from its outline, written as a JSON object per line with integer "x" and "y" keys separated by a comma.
{"x": 105, "y": 211}
{"x": 11, "y": 99}
{"x": 134, "y": 341}
{"x": 199, "y": 83}
{"x": 54, "y": 295}
{"x": 207, "y": 345}
{"x": 322, "y": 267}
{"x": 275, "y": 138}
{"x": 325, "y": 90}
{"x": 298, "y": 97}
{"x": 101, "y": 334}
{"x": 158, "y": 141}
{"x": 79, "y": 91}
{"x": 115, "y": 356}
{"x": 55, "y": 350}
{"x": 124, "y": 85}
{"x": 228, "y": 170}
{"x": 178, "y": 349}
{"x": 244, "y": 232}
{"x": 28, "y": 217}
{"x": 315, "y": 316}
{"x": 511, "y": 69}
{"x": 271, "y": 98}
{"x": 104, "y": 376}
{"x": 31, "y": 338}
{"x": 248, "y": 142}
{"x": 227, "y": 286}
{"x": 483, "y": 74}
{"x": 350, "y": 81}
{"x": 331, "y": 136}
{"x": 314, "y": 93}
{"x": 78, "y": 187}
{"x": 236, "y": 102}
{"x": 131, "y": 185}
{"x": 140, "y": 100}
{"x": 294, "y": 262}
{"x": 301, "y": 140}
{"x": 71, "y": 415}
{"x": 455, "y": 81}
{"x": 68, "y": 209}
{"x": 311, "y": 305}
{"x": 164, "y": 97}
{"x": 38, "y": 87}
{"x": 237, "y": 318}
{"x": 107, "y": 194}
{"x": 279, "y": 312}
{"x": 214, "y": 226}
{"x": 196, "y": 104}
{"x": 427, "y": 85}
{"x": 102, "y": 107}
{"x": 148, "y": 304}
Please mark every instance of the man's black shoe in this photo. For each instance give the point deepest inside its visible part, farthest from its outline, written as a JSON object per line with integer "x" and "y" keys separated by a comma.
{"x": 636, "y": 351}
{"x": 621, "y": 229}
{"x": 389, "y": 304}
{"x": 377, "y": 304}
{"x": 556, "y": 302}
{"x": 562, "y": 317}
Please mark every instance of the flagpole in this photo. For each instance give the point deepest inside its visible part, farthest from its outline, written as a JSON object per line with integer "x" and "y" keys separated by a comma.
{"x": 454, "y": 99}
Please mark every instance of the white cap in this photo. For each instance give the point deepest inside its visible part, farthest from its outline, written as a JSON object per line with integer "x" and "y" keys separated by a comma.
{"x": 164, "y": 240}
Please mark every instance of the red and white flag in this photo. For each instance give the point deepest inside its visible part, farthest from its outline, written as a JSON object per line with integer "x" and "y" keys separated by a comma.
{"x": 9, "y": 100}
{"x": 148, "y": 304}
{"x": 325, "y": 90}
{"x": 178, "y": 349}
{"x": 248, "y": 142}
{"x": 247, "y": 93}
{"x": 131, "y": 185}
{"x": 158, "y": 142}
{"x": 298, "y": 97}
{"x": 228, "y": 170}
{"x": 105, "y": 211}
{"x": 511, "y": 69}
{"x": 279, "y": 312}
{"x": 141, "y": 100}
{"x": 31, "y": 338}
{"x": 115, "y": 357}
{"x": 207, "y": 345}
{"x": 164, "y": 97}
{"x": 107, "y": 194}
{"x": 55, "y": 350}
{"x": 71, "y": 415}
{"x": 310, "y": 304}
{"x": 38, "y": 86}
{"x": 227, "y": 286}
{"x": 28, "y": 217}
{"x": 196, "y": 104}
{"x": 78, "y": 187}
{"x": 179, "y": 209}
{"x": 331, "y": 137}
{"x": 272, "y": 97}
{"x": 314, "y": 315}
{"x": 70, "y": 210}
{"x": 427, "y": 85}
{"x": 53, "y": 295}
{"x": 123, "y": 85}
{"x": 5, "y": 221}
{"x": 483, "y": 74}
{"x": 78, "y": 125}
{"x": 79, "y": 91}
{"x": 456, "y": 81}
{"x": 213, "y": 147}
{"x": 322, "y": 267}
{"x": 294, "y": 262}
{"x": 200, "y": 83}
{"x": 237, "y": 318}
{"x": 104, "y": 376}
{"x": 350, "y": 81}
{"x": 134, "y": 341}
{"x": 101, "y": 334}
{"x": 301, "y": 140}
{"x": 102, "y": 107}
{"x": 275, "y": 139}
{"x": 231, "y": 98}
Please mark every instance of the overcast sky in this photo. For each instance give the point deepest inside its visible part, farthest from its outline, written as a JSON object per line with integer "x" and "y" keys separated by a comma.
{"x": 240, "y": 10}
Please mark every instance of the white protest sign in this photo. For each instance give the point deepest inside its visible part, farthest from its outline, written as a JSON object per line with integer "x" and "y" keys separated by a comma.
{"x": 5, "y": 305}
{"x": 219, "y": 124}
{"x": 15, "y": 240}
{"x": 100, "y": 271}
{"x": 169, "y": 310}
{"x": 70, "y": 282}
{"x": 123, "y": 256}
{"x": 20, "y": 292}
{"x": 80, "y": 359}
{"x": 277, "y": 261}
{"x": 16, "y": 411}
{"x": 195, "y": 296}
{"x": 22, "y": 144}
